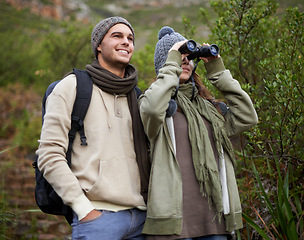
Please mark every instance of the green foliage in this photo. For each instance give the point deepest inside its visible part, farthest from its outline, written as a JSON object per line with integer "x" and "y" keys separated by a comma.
{"x": 285, "y": 210}
{"x": 28, "y": 132}
{"x": 20, "y": 108}
{"x": 20, "y": 37}
{"x": 264, "y": 51}
{"x": 36, "y": 52}
{"x": 283, "y": 92}
{"x": 14, "y": 64}
{"x": 243, "y": 31}
{"x": 6, "y": 217}
{"x": 65, "y": 51}
{"x": 144, "y": 63}
{"x": 268, "y": 61}
{"x": 189, "y": 30}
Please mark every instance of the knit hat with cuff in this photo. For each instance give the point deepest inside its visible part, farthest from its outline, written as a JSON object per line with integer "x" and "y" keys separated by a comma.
{"x": 167, "y": 38}
{"x": 101, "y": 29}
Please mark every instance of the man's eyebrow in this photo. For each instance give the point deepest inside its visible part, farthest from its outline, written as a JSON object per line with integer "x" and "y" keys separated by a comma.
{"x": 113, "y": 33}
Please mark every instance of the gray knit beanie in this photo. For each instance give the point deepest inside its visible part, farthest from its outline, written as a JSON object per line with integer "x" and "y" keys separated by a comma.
{"x": 167, "y": 38}
{"x": 101, "y": 29}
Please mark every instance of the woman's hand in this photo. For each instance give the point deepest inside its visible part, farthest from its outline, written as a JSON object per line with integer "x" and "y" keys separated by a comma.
{"x": 208, "y": 59}
{"x": 177, "y": 45}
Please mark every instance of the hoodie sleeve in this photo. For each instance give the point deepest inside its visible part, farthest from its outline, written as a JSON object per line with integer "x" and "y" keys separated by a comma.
{"x": 241, "y": 114}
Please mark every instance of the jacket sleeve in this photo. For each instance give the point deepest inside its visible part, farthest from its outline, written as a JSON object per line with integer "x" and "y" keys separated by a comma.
{"x": 53, "y": 146}
{"x": 155, "y": 101}
{"x": 241, "y": 114}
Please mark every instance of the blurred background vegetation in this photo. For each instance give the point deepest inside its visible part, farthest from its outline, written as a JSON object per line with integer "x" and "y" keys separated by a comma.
{"x": 262, "y": 44}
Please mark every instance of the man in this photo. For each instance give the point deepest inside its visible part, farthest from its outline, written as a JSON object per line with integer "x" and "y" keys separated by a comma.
{"x": 108, "y": 178}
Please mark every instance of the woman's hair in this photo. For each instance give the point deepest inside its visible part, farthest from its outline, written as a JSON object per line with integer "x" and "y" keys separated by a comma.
{"x": 202, "y": 90}
{"x": 205, "y": 93}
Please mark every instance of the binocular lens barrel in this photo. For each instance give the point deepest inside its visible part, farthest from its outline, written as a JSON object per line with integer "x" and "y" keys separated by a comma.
{"x": 214, "y": 50}
{"x": 188, "y": 47}
{"x": 209, "y": 51}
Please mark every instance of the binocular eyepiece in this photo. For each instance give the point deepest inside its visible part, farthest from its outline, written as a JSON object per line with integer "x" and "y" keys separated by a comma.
{"x": 190, "y": 47}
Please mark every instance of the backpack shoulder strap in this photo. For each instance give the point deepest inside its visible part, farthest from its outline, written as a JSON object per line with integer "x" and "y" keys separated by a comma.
{"x": 84, "y": 93}
{"x": 80, "y": 108}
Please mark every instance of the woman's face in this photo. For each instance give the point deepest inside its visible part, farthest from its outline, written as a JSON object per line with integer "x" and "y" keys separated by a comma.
{"x": 187, "y": 67}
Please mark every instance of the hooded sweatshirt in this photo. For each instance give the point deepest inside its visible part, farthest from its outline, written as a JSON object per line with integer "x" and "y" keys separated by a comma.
{"x": 104, "y": 174}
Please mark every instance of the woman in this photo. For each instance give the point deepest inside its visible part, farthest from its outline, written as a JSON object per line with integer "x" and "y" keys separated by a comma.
{"x": 192, "y": 192}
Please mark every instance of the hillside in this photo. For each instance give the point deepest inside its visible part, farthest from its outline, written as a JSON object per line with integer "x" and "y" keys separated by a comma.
{"x": 146, "y": 16}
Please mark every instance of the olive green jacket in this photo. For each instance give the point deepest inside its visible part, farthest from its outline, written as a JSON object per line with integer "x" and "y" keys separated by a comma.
{"x": 164, "y": 208}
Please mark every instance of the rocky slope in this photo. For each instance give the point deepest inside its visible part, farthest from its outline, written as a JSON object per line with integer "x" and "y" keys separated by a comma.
{"x": 64, "y": 9}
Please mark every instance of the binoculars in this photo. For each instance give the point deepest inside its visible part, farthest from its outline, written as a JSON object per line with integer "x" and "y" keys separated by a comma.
{"x": 190, "y": 47}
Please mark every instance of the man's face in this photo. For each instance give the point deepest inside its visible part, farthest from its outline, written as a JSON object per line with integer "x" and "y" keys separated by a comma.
{"x": 116, "y": 47}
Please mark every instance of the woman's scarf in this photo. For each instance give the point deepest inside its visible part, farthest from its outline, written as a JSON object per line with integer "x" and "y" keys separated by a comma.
{"x": 204, "y": 162}
{"x": 111, "y": 83}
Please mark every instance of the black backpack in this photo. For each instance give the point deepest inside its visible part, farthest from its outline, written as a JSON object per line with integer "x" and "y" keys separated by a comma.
{"x": 46, "y": 197}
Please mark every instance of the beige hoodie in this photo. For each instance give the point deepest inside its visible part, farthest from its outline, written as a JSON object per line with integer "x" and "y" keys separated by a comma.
{"x": 104, "y": 174}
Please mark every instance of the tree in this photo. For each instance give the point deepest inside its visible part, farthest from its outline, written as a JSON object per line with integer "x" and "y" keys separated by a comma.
{"x": 264, "y": 51}
{"x": 65, "y": 49}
